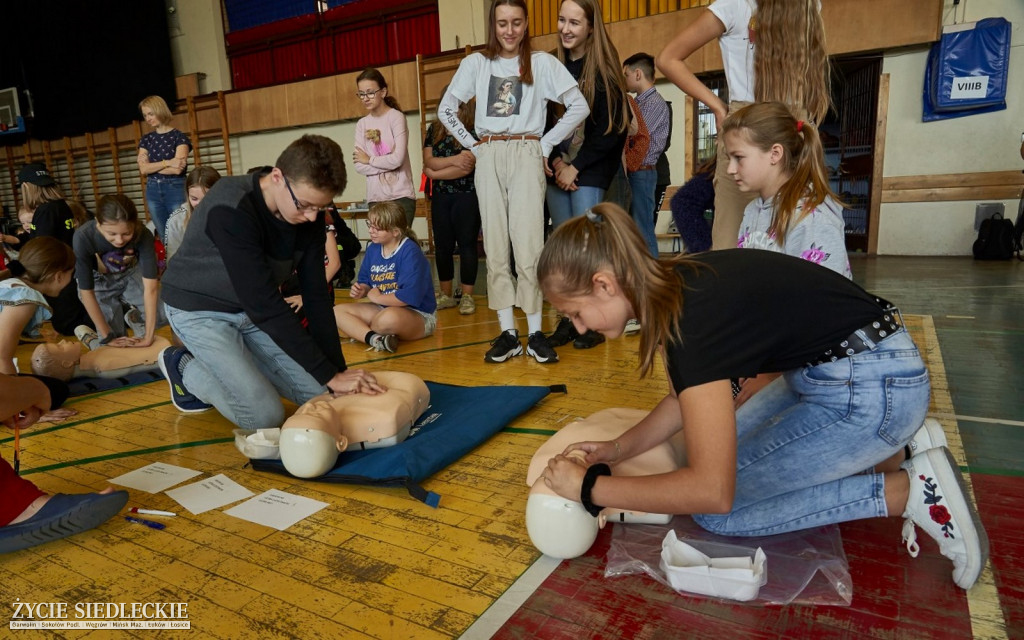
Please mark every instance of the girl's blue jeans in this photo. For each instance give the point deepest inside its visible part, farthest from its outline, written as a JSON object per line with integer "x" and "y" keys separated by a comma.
{"x": 804, "y": 441}
{"x": 565, "y": 205}
{"x": 164, "y": 194}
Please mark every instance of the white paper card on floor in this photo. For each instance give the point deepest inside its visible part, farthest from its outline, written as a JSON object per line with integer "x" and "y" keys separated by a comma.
{"x": 276, "y": 509}
{"x": 154, "y": 478}
{"x": 208, "y": 494}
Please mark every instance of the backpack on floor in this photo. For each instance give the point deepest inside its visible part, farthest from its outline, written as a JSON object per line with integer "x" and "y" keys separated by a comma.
{"x": 995, "y": 239}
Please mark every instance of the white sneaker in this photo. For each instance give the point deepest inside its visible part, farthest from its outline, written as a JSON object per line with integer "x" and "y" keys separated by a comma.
{"x": 445, "y": 302}
{"x": 633, "y": 326}
{"x": 929, "y": 436}
{"x": 384, "y": 342}
{"x": 939, "y": 503}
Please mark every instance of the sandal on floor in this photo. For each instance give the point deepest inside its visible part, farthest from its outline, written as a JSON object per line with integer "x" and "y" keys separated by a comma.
{"x": 62, "y": 515}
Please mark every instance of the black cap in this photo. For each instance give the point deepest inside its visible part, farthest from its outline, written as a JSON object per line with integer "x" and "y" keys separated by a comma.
{"x": 37, "y": 174}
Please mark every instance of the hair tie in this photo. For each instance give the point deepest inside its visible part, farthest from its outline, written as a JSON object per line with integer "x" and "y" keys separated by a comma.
{"x": 593, "y": 216}
{"x": 16, "y": 268}
{"x": 799, "y": 126}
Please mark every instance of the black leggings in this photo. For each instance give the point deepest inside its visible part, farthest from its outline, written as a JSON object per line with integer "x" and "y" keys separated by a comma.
{"x": 456, "y": 218}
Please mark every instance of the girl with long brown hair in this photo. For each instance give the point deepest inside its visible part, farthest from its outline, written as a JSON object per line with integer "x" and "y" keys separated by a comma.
{"x": 854, "y": 394}
{"x": 511, "y": 160}
{"x": 780, "y": 159}
{"x": 773, "y": 50}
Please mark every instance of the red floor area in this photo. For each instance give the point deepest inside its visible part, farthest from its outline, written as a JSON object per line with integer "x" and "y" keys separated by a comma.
{"x": 895, "y": 596}
{"x": 1002, "y": 508}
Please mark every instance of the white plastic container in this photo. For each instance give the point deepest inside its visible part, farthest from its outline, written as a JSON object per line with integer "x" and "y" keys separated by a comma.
{"x": 263, "y": 444}
{"x": 736, "y": 577}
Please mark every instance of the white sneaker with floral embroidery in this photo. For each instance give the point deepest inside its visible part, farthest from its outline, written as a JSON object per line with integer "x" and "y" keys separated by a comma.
{"x": 940, "y": 505}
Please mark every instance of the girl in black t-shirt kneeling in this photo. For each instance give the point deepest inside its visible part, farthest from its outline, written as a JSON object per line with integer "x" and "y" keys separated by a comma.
{"x": 853, "y": 395}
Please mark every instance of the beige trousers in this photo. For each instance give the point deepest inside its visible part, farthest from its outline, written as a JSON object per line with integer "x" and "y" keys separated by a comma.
{"x": 510, "y": 186}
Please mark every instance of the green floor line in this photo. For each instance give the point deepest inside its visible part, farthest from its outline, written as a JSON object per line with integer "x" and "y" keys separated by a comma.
{"x": 992, "y": 471}
{"x": 65, "y": 425}
{"x": 126, "y": 454}
{"x": 534, "y": 432}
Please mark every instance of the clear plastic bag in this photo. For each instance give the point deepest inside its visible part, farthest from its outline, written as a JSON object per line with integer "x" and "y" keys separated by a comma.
{"x": 803, "y": 567}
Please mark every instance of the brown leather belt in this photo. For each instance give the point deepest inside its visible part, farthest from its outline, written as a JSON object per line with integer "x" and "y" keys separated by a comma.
{"x": 646, "y": 167}
{"x": 502, "y": 138}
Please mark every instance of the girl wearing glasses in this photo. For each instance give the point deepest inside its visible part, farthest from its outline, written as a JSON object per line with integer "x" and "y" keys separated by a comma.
{"x": 382, "y": 146}
{"x": 511, "y": 160}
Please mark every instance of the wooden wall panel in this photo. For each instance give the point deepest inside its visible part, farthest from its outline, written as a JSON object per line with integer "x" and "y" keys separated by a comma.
{"x": 313, "y": 100}
{"x": 989, "y": 185}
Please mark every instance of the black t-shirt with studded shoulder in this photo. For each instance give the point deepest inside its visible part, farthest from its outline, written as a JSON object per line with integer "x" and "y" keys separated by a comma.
{"x": 747, "y": 311}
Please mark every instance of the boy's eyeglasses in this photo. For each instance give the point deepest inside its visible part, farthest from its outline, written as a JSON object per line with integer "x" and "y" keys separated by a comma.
{"x": 302, "y": 208}
{"x": 363, "y": 95}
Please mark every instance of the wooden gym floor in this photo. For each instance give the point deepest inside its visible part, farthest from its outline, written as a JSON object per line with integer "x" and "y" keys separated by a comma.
{"x": 378, "y": 564}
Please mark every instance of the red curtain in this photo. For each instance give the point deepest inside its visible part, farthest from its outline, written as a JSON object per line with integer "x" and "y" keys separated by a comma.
{"x": 345, "y": 38}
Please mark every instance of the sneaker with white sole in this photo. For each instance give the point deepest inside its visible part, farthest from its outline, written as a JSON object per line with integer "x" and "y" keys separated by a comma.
{"x": 940, "y": 504}
{"x": 929, "y": 436}
{"x": 384, "y": 342}
{"x": 133, "y": 320}
{"x": 538, "y": 347}
{"x": 504, "y": 347}
{"x": 632, "y": 327}
{"x": 468, "y": 305}
{"x": 445, "y": 301}
{"x": 87, "y": 336}
{"x": 169, "y": 360}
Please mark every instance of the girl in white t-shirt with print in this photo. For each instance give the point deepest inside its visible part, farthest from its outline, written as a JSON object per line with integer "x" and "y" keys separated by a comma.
{"x": 511, "y": 161}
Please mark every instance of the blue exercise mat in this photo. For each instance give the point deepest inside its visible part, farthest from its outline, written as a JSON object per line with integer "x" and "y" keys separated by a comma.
{"x": 458, "y": 420}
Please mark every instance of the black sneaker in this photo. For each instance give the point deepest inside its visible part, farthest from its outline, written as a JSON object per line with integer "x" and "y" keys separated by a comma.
{"x": 503, "y": 347}
{"x": 563, "y": 334}
{"x": 589, "y": 339}
{"x": 540, "y": 348}
{"x": 169, "y": 359}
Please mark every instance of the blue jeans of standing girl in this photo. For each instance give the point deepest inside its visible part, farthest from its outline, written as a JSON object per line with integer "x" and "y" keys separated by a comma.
{"x": 164, "y": 194}
{"x": 565, "y": 205}
{"x": 804, "y": 441}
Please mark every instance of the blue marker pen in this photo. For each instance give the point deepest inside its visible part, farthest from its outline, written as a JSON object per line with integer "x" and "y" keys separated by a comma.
{"x": 148, "y": 523}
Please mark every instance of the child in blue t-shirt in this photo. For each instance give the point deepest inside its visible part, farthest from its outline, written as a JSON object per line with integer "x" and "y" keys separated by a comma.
{"x": 395, "y": 279}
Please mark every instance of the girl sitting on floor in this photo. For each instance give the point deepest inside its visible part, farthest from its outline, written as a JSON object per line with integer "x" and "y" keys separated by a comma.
{"x": 395, "y": 278}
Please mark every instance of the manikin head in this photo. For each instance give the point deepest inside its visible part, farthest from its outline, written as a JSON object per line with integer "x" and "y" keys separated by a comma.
{"x": 327, "y": 425}
{"x": 56, "y": 360}
{"x": 561, "y": 527}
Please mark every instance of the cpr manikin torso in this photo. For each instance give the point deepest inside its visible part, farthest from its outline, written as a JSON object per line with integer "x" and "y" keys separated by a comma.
{"x": 562, "y": 528}
{"x": 65, "y": 360}
{"x": 327, "y": 425}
